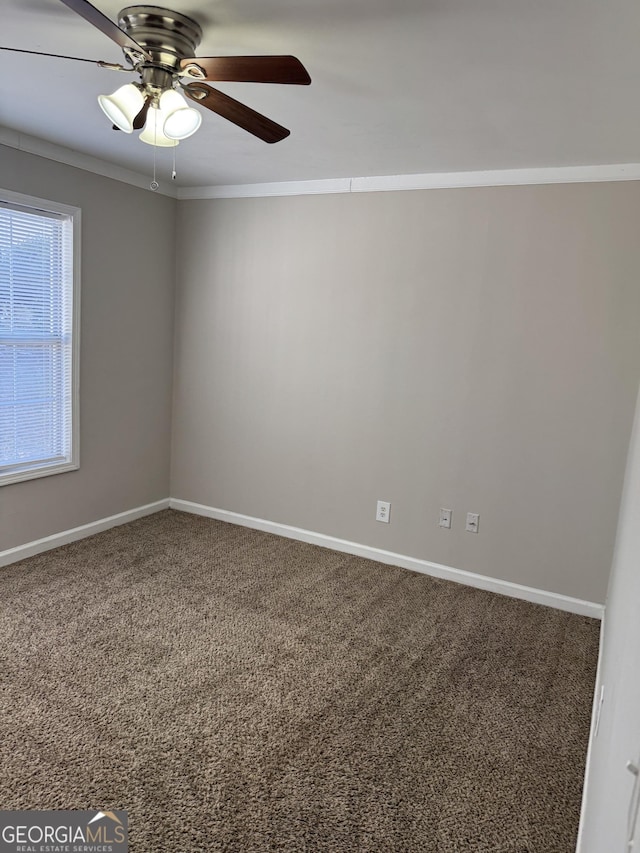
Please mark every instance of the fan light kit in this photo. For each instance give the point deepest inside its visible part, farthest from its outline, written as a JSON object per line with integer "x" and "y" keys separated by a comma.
{"x": 160, "y": 45}
{"x": 167, "y": 122}
{"x": 155, "y": 104}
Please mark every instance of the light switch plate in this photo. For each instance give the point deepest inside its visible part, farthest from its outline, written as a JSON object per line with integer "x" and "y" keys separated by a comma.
{"x": 473, "y": 522}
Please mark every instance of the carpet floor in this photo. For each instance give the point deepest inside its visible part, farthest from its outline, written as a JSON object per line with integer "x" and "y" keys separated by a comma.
{"x": 236, "y": 691}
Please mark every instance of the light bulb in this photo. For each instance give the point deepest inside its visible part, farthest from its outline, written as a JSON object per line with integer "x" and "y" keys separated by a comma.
{"x": 152, "y": 133}
{"x": 123, "y": 106}
{"x": 179, "y": 119}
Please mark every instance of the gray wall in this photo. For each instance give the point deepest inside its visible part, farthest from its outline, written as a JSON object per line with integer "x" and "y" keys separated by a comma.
{"x": 128, "y": 274}
{"x": 475, "y": 349}
{"x": 609, "y": 785}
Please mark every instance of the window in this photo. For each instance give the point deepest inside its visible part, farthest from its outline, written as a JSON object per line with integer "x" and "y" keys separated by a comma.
{"x": 39, "y": 309}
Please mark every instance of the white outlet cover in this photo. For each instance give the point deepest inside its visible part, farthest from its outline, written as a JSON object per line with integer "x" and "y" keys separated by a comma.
{"x": 383, "y": 511}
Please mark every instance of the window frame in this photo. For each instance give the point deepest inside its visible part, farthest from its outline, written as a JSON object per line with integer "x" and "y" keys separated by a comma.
{"x": 39, "y": 469}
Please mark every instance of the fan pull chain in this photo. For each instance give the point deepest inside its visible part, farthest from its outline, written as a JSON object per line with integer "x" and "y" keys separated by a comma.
{"x": 154, "y": 184}
{"x": 173, "y": 173}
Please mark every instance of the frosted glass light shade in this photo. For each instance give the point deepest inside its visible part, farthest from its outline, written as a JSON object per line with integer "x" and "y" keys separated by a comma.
{"x": 123, "y": 106}
{"x": 180, "y": 120}
{"x": 152, "y": 133}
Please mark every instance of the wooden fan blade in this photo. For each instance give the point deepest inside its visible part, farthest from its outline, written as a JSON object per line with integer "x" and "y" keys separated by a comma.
{"x": 247, "y": 69}
{"x": 105, "y": 25}
{"x": 238, "y": 113}
{"x": 140, "y": 119}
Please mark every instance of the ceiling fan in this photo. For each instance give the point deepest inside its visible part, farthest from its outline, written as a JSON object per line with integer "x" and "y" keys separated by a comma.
{"x": 160, "y": 46}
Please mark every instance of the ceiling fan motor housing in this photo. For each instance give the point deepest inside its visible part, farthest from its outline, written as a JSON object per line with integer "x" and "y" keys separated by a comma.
{"x": 167, "y": 36}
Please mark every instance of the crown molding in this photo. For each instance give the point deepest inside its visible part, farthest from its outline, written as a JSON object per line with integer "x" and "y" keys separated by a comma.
{"x": 322, "y": 187}
{"x": 427, "y": 181}
{"x": 50, "y": 151}
{"x": 369, "y": 184}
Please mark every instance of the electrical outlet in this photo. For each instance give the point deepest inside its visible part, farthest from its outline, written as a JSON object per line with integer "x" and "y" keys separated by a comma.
{"x": 473, "y": 522}
{"x": 445, "y": 517}
{"x": 383, "y": 511}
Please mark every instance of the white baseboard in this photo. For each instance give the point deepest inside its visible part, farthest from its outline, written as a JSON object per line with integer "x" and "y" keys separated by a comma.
{"x": 21, "y": 552}
{"x": 436, "y": 570}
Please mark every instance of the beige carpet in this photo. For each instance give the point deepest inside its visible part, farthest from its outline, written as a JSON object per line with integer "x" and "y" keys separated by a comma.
{"x": 235, "y": 691}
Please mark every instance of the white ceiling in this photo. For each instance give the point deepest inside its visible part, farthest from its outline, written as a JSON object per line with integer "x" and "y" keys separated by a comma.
{"x": 403, "y": 87}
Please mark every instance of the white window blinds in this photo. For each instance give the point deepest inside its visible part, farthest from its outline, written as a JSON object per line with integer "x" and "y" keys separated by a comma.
{"x": 36, "y": 341}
